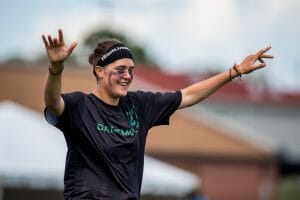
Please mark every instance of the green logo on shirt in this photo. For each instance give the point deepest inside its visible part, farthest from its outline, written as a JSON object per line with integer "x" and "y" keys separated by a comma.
{"x": 132, "y": 121}
{"x": 113, "y": 130}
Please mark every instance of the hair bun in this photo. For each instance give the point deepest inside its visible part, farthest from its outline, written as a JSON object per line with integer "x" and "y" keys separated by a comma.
{"x": 91, "y": 59}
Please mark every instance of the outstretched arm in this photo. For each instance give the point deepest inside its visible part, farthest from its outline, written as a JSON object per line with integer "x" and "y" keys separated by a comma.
{"x": 199, "y": 91}
{"x": 57, "y": 53}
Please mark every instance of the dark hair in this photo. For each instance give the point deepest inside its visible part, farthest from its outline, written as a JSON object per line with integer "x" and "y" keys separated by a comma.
{"x": 102, "y": 47}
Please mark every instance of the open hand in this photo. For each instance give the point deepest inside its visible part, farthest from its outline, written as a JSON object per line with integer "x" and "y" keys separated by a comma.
{"x": 249, "y": 64}
{"x": 56, "y": 49}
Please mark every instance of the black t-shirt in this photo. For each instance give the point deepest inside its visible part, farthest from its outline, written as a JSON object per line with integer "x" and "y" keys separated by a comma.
{"x": 106, "y": 143}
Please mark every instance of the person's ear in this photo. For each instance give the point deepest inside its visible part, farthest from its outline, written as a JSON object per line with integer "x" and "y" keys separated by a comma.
{"x": 99, "y": 72}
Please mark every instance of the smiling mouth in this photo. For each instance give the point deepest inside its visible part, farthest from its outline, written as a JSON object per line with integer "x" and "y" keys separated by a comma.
{"x": 124, "y": 85}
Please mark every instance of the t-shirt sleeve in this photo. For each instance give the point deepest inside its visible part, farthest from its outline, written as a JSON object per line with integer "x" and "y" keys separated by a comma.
{"x": 64, "y": 121}
{"x": 158, "y": 107}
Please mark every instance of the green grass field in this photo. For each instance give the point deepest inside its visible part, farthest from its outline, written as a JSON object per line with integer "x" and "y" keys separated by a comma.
{"x": 289, "y": 188}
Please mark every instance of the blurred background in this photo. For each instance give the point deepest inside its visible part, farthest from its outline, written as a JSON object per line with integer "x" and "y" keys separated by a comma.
{"x": 243, "y": 142}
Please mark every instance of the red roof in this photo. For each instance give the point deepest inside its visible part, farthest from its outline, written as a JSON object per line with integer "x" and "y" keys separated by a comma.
{"x": 236, "y": 91}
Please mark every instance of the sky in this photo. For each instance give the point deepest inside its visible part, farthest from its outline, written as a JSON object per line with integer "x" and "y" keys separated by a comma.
{"x": 180, "y": 35}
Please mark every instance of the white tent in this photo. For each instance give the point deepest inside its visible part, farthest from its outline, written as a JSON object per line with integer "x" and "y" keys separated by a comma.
{"x": 32, "y": 154}
{"x": 163, "y": 179}
{"x": 30, "y": 150}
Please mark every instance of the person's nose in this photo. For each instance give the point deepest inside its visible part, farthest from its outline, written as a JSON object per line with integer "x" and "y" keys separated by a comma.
{"x": 128, "y": 74}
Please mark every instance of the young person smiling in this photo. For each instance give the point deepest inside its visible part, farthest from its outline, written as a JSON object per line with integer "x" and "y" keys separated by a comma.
{"x": 106, "y": 130}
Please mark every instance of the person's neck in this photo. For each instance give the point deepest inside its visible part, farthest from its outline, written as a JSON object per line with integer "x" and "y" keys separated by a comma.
{"x": 101, "y": 94}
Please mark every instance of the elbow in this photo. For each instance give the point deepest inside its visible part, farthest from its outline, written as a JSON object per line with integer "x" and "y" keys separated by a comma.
{"x": 189, "y": 99}
{"x": 55, "y": 105}
{"x": 50, "y": 101}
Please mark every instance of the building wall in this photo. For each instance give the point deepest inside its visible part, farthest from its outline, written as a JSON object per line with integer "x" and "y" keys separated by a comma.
{"x": 230, "y": 179}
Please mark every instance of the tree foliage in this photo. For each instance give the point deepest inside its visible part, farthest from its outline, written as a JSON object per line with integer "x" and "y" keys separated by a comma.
{"x": 138, "y": 51}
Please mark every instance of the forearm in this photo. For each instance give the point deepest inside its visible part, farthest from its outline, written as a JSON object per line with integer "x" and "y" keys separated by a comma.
{"x": 199, "y": 91}
{"x": 52, "y": 93}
